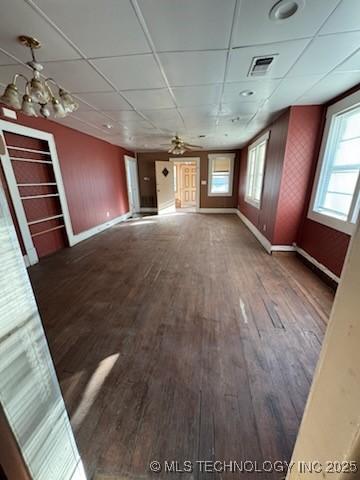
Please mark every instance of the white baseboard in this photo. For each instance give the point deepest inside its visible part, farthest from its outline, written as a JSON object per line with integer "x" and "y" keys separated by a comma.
{"x": 285, "y": 248}
{"x": 218, "y": 210}
{"x": 80, "y": 237}
{"x": 264, "y": 241}
{"x": 148, "y": 210}
{"x": 318, "y": 265}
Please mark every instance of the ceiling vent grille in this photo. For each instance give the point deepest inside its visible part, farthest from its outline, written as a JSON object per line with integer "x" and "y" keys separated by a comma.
{"x": 260, "y": 66}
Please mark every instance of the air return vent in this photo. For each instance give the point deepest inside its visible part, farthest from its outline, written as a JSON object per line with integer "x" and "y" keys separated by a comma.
{"x": 260, "y": 66}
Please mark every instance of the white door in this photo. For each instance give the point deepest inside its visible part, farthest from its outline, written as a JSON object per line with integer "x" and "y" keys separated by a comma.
{"x": 165, "y": 187}
{"x": 132, "y": 184}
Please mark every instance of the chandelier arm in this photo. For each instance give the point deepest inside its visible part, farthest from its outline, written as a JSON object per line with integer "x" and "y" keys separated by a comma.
{"x": 50, "y": 79}
{"x": 19, "y": 75}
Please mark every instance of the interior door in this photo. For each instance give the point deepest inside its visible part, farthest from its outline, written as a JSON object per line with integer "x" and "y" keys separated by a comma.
{"x": 132, "y": 184}
{"x": 188, "y": 185}
{"x": 165, "y": 187}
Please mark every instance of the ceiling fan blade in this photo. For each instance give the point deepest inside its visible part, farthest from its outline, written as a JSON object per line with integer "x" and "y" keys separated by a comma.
{"x": 192, "y": 146}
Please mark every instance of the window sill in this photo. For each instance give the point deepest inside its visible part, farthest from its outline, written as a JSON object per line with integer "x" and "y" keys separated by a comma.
{"x": 253, "y": 203}
{"x": 332, "y": 222}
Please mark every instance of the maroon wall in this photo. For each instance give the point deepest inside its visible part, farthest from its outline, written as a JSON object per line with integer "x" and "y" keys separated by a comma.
{"x": 93, "y": 173}
{"x": 302, "y": 141}
{"x": 264, "y": 218}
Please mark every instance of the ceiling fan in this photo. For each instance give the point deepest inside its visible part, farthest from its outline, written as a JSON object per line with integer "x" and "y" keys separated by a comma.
{"x": 179, "y": 147}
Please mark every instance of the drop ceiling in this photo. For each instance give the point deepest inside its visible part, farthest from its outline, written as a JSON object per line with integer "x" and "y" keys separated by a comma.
{"x": 153, "y": 68}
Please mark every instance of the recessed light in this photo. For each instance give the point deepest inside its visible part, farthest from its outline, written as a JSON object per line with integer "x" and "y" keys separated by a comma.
{"x": 108, "y": 126}
{"x": 202, "y": 136}
{"x": 285, "y": 9}
{"x": 247, "y": 93}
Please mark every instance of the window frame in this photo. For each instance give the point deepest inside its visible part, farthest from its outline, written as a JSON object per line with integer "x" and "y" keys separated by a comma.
{"x": 327, "y": 143}
{"x": 211, "y": 158}
{"x": 259, "y": 141}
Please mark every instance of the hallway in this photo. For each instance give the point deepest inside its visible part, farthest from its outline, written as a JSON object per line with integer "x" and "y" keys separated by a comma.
{"x": 178, "y": 338}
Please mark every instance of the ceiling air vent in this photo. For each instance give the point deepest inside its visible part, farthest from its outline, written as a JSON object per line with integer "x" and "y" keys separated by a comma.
{"x": 260, "y": 66}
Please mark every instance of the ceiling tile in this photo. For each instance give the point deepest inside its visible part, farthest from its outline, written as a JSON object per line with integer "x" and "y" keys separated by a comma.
{"x": 262, "y": 90}
{"x": 188, "y": 24}
{"x": 344, "y": 19}
{"x": 325, "y": 53}
{"x": 136, "y": 72}
{"x": 150, "y": 99}
{"x": 105, "y": 101}
{"x": 17, "y": 18}
{"x": 76, "y": 76}
{"x": 289, "y": 90}
{"x": 197, "y": 95}
{"x": 94, "y": 117}
{"x": 7, "y": 73}
{"x": 255, "y": 27}
{"x": 352, "y": 64}
{"x": 105, "y": 29}
{"x": 131, "y": 119}
{"x": 168, "y": 119}
{"x": 329, "y": 87}
{"x": 241, "y": 59}
{"x": 240, "y": 108}
{"x": 194, "y": 68}
{"x": 6, "y": 60}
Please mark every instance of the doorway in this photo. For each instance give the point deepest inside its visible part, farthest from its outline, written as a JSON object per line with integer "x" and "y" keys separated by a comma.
{"x": 178, "y": 185}
{"x": 185, "y": 186}
{"x": 132, "y": 184}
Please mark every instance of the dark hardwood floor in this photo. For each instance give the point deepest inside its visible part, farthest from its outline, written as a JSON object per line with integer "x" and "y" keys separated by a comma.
{"x": 178, "y": 338}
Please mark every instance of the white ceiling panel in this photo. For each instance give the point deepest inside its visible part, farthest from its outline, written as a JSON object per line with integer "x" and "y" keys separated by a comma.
{"x": 94, "y": 117}
{"x": 345, "y": 18}
{"x": 262, "y": 89}
{"x": 188, "y": 24}
{"x": 129, "y": 118}
{"x": 241, "y": 59}
{"x": 135, "y": 72}
{"x": 19, "y": 18}
{"x": 76, "y": 75}
{"x": 165, "y": 118}
{"x": 352, "y": 64}
{"x": 288, "y": 91}
{"x": 325, "y": 53}
{"x": 194, "y": 68}
{"x": 239, "y": 108}
{"x": 255, "y": 27}
{"x": 8, "y": 71}
{"x": 98, "y": 28}
{"x": 105, "y": 101}
{"x": 150, "y": 99}
{"x": 329, "y": 87}
{"x": 197, "y": 95}
{"x": 6, "y": 60}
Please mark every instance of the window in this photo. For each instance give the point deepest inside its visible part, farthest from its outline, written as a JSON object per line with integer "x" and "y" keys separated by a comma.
{"x": 335, "y": 199}
{"x": 221, "y": 167}
{"x": 255, "y": 170}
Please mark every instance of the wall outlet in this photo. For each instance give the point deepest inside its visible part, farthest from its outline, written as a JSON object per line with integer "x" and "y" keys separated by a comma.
{"x": 203, "y": 182}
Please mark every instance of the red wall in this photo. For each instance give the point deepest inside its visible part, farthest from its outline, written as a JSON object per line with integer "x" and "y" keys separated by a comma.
{"x": 93, "y": 173}
{"x": 302, "y": 141}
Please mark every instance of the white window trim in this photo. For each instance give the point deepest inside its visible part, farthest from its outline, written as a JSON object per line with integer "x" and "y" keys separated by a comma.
{"x": 349, "y": 102}
{"x": 231, "y": 157}
{"x": 259, "y": 140}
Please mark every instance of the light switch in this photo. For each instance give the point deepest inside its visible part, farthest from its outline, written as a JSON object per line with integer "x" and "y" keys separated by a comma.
{"x": 203, "y": 182}
{"x": 9, "y": 113}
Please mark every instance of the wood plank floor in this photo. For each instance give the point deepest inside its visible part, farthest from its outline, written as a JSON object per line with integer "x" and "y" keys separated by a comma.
{"x": 178, "y": 338}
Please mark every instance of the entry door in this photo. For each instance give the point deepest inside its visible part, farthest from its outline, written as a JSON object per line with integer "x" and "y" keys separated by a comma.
{"x": 188, "y": 186}
{"x": 132, "y": 184}
{"x": 165, "y": 187}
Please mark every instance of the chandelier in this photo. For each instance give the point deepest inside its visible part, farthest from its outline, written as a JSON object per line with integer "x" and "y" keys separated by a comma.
{"x": 39, "y": 97}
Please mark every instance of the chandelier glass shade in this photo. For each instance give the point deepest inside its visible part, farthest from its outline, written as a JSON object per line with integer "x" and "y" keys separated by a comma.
{"x": 39, "y": 97}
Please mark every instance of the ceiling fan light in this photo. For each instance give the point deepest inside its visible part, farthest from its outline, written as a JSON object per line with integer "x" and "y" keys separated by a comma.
{"x": 58, "y": 108}
{"x": 45, "y": 111}
{"x": 68, "y": 102}
{"x": 11, "y": 97}
{"x": 38, "y": 91}
{"x": 28, "y": 107}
